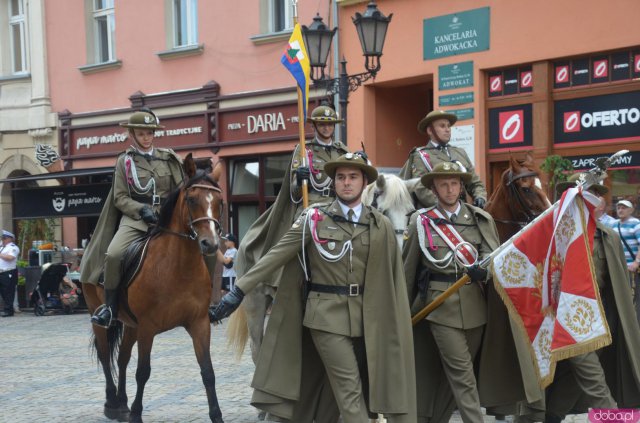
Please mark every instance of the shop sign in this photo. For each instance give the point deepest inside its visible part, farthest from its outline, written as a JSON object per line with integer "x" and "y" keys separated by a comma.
{"x": 463, "y": 136}
{"x": 463, "y": 114}
{"x": 631, "y": 159}
{"x": 260, "y": 124}
{"x": 605, "y": 118}
{"x": 457, "y": 75}
{"x": 454, "y": 99}
{"x": 510, "y": 81}
{"x": 580, "y": 72}
{"x": 457, "y": 33}
{"x": 113, "y": 138}
{"x": 61, "y": 201}
{"x": 510, "y": 127}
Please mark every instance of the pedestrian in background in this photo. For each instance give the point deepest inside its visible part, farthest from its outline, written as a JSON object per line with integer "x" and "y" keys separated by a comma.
{"x": 628, "y": 228}
{"x": 9, "y": 254}
{"x": 228, "y": 261}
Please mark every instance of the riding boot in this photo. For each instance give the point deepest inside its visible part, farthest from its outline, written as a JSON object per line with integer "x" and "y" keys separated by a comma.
{"x": 107, "y": 314}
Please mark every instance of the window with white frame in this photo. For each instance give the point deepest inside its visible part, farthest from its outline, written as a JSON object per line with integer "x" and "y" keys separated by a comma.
{"x": 17, "y": 37}
{"x": 280, "y": 15}
{"x": 104, "y": 28}
{"x": 185, "y": 23}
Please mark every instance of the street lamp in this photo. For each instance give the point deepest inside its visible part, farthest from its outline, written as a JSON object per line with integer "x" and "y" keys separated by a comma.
{"x": 372, "y": 29}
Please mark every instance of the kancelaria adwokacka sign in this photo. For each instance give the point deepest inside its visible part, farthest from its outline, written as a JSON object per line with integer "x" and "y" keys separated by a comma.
{"x": 597, "y": 119}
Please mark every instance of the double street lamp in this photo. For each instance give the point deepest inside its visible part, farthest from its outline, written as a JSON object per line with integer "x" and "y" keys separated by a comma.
{"x": 372, "y": 30}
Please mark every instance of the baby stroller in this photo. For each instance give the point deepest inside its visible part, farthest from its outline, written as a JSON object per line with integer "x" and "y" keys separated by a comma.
{"x": 53, "y": 292}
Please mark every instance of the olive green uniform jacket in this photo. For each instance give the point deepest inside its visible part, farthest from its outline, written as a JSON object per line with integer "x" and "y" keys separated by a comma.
{"x": 265, "y": 232}
{"x": 121, "y": 208}
{"x": 385, "y": 321}
{"x": 414, "y": 167}
{"x": 500, "y": 380}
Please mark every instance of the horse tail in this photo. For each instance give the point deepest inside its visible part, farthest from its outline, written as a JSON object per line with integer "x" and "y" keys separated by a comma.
{"x": 238, "y": 331}
{"x": 114, "y": 338}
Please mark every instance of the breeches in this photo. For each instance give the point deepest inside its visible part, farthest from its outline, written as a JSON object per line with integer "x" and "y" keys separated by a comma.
{"x": 339, "y": 358}
{"x": 458, "y": 348}
{"x": 124, "y": 236}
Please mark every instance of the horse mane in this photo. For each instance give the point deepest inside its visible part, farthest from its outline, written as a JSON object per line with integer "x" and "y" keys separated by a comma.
{"x": 397, "y": 194}
{"x": 166, "y": 210}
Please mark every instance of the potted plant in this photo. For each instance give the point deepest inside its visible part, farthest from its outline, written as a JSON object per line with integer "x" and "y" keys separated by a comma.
{"x": 559, "y": 167}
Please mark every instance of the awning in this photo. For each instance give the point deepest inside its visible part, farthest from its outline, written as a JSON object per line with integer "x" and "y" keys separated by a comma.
{"x": 64, "y": 174}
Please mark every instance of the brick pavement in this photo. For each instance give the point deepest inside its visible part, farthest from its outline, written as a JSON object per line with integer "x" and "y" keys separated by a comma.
{"x": 48, "y": 375}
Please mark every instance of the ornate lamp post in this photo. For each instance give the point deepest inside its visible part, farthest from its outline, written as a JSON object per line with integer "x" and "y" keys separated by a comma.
{"x": 372, "y": 29}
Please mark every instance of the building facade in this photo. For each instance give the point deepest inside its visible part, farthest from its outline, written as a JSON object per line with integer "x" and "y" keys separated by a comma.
{"x": 556, "y": 78}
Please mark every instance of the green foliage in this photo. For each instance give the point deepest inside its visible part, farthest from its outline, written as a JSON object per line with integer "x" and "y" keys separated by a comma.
{"x": 21, "y": 264}
{"x": 30, "y": 230}
{"x": 559, "y": 167}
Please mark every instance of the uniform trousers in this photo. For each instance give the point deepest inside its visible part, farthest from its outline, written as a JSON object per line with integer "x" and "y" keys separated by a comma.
{"x": 8, "y": 282}
{"x": 458, "y": 349}
{"x": 123, "y": 237}
{"x": 589, "y": 379}
{"x": 338, "y": 355}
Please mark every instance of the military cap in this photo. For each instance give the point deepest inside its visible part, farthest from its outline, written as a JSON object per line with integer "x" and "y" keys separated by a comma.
{"x": 351, "y": 160}
{"x": 435, "y": 115}
{"x": 577, "y": 177}
{"x": 7, "y": 234}
{"x": 142, "y": 120}
{"x": 324, "y": 114}
{"x": 445, "y": 170}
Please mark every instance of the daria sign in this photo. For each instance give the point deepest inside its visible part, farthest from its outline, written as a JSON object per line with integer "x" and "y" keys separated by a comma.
{"x": 458, "y": 33}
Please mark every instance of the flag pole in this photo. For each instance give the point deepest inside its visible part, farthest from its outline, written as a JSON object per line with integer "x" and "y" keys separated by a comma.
{"x": 301, "y": 123}
{"x": 596, "y": 174}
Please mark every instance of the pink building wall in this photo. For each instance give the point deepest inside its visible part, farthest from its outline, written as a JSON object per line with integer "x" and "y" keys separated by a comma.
{"x": 230, "y": 57}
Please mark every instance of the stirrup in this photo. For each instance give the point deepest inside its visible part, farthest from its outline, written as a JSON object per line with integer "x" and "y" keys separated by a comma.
{"x": 97, "y": 320}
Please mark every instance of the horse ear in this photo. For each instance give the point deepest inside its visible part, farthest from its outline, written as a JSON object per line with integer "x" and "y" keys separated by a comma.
{"x": 217, "y": 171}
{"x": 189, "y": 166}
{"x": 514, "y": 164}
{"x": 528, "y": 159}
{"x": 380, "y": 182}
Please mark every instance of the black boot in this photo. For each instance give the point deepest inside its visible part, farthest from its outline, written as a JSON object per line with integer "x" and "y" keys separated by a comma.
{"x": 107, "y": 313}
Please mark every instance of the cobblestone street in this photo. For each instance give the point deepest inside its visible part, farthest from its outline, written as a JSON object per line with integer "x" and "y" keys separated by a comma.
{"x": 47, "y": 374}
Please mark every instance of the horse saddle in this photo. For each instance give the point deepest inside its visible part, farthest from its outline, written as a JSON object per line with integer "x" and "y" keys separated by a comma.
{"x": 133, "y": 258}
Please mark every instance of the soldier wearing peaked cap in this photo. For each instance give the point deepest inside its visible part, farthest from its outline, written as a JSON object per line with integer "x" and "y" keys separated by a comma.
{"x": 436, "y": 125}
{"x": 144, "y": 176}
{"x": 9, "y": 253}
{"x": 442, "y": 243}
{"x": 356, "y": 311}
{"x": 265, "y": 232}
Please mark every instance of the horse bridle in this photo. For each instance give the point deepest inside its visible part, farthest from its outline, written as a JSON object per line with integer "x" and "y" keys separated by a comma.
{"x": 374, "y": 204}
{"x": 515, "y": 192}
{"x": 192, "y": 234}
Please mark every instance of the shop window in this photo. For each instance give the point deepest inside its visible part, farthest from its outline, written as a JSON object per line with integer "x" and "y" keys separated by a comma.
{"x": 510, "y": 81}
{"x": 17, "y": 37}
{"x": 625, "y": 185}
{"x": 244, "y": 178}
{"x": 254, "y": 186}
{"x": 185, "y": 23}
{"x": 104, "y": 27}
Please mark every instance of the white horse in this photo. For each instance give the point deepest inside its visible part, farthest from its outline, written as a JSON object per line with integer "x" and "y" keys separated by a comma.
{"x": 390, "y": 195}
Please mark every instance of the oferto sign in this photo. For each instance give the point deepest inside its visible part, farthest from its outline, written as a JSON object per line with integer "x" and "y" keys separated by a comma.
{"x": 458, "y": 33}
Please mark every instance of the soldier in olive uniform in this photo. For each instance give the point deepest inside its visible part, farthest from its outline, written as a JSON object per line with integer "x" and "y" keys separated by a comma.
{"x": 320, "y": 150}
{"x": 437, "y": 126}
{"x": 356, "y": 310}
{"x": 443, "y": 242}
{"x": 143, "y": 177}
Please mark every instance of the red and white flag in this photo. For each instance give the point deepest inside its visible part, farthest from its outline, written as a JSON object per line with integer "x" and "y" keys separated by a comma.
{"x": 546, "y": 280}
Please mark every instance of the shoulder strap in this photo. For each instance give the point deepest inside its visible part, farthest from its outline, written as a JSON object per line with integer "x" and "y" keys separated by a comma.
{"x": 633, "y": 256}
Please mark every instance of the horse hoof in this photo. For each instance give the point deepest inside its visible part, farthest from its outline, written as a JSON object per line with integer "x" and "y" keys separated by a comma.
{"x": 120, "y": 414}
{"x": 262, "y": 415}
{"x": 217, "y": 420}
{"x": 135, "y": 419}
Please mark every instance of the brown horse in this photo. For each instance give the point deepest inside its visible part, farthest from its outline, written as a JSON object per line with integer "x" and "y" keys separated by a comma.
{"x": 518, "y": 199}
{"x": 172, "y": 288}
